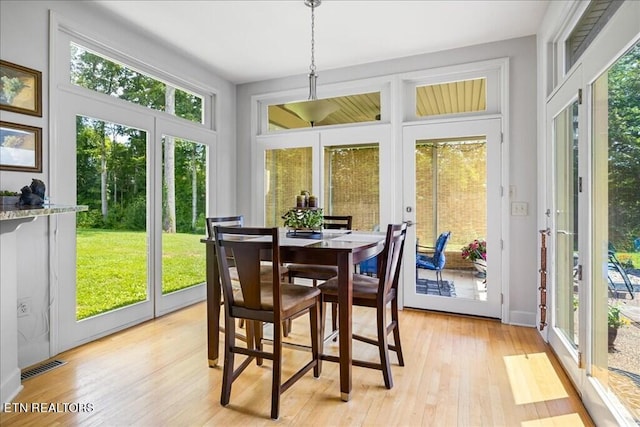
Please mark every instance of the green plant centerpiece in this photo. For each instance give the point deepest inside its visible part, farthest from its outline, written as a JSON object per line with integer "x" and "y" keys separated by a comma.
{"x": 304, "y": 220}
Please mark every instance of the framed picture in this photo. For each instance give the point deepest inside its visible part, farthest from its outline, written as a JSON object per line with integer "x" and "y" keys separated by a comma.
{"x": 20, "y": 147}
{"x": 20, "y": 89}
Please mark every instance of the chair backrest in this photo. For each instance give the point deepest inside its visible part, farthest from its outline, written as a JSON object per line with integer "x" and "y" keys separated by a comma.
{"x": 246, "y": 247}
{"x": 336, "y": 222}
{"x": 225, "y": 221}
{"x": 439, "y": 258}
{"x": 391, "y": 258}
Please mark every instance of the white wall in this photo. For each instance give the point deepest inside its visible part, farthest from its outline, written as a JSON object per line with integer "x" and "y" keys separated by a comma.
{"x": 522, "y": 139}
{"x": 24, "y": 40}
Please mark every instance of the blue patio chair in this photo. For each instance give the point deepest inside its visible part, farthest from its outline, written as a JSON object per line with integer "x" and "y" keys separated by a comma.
{"x": 613, "y": 265}
{"x": 436, "y": 261}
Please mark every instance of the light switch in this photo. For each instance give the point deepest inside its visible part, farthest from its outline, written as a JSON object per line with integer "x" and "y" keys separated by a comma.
{"x": 519, "y": 208}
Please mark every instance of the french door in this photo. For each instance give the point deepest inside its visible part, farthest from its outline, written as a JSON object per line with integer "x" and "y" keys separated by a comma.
{"x": 113, "y": 276}
{"x": 591, "y": 194}
{"x": 451, "y": 183}
{"x": 342, "y": 167}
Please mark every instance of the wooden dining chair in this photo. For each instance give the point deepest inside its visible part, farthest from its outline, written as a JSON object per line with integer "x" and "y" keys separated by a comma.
{"x": 378, "y": 293}
{"x": 261, "y": 299}
{"x": 265, "y": 266}
{"x": 321, "y": 272}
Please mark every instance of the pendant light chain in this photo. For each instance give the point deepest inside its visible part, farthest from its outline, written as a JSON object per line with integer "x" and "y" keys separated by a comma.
{"x": 312, "y": 67}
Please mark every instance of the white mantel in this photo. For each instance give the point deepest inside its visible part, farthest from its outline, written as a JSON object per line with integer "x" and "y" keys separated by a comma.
{"x": 11, "y": 218}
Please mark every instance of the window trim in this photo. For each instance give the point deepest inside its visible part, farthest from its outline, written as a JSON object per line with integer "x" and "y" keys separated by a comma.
{"x": 492, "y": 70}
{"x": 66, "y": 33}
{"x": 378, "y": 84}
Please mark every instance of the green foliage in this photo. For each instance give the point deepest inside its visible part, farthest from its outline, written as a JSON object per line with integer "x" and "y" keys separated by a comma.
{"x": 11, "y": 87}
{"x": 112, "y": 267}
{"x": 624, "y": 149}
{"x": 135, "y": 215}
{"x": 303, "y": 218}
{"x": 615, "y": 318}
{"x": 9, "y": 193}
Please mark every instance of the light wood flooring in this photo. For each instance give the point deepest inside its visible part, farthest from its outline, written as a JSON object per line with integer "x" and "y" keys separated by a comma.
{"x": 458, "y": 372}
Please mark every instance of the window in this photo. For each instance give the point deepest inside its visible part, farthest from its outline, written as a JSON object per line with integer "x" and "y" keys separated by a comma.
{"x": 96, "y": 72}
{"x": 112, "y": 235}
{"x": 287, "y": 172}
{"x": 359, "y": 108}
{"x": 592, "y": 21}
{"x": 451, "y": 189}
{"x": 352, "y": 184}
{"x": 183, "y": 205}
{"x": 463, "y": 96}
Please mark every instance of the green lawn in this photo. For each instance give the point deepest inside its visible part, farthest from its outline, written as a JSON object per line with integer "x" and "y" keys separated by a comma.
{"x": 112, "y": 267}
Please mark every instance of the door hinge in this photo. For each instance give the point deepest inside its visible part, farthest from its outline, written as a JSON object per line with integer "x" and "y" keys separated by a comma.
{"x": 580, "y": 96}
{"x": 580, "y": 184}
{"x": 579, "y": 272}
{"x": 580, "y": 361}
{"x": 501, "y": 299}
{"x": 501, "y": 137}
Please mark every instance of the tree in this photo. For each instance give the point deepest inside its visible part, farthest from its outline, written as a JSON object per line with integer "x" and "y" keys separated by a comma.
{"x": 169, "y": 220}
{"x": 624, "y": 149}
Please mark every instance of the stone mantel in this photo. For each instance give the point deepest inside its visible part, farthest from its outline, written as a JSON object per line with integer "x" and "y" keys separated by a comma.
{"x": 14, "y": 212}
{"x": 11, "y": 218}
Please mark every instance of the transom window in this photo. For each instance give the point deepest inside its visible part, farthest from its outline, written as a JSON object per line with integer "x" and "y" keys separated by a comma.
{"x": 98, "y": 73}
{"x": 358, "y": 108}
{"x": 464, "y": 96}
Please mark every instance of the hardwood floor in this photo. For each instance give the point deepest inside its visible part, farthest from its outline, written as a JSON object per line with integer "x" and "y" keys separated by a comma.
{"x": 459, "y": 372}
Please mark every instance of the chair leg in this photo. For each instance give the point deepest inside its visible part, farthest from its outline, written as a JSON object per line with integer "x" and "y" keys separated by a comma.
{"x": 258, "y": 334}
{"x": 316, "y": 338}
{"x": 227, "y": 371}
{"x": 276, "y": 380}
{"x": 334, "y": 319}
{"x": 383, "y": 346}
{"x": 396, "y": 331}
{"x": 323, "y": 318}
{"x": 286, "y": 327}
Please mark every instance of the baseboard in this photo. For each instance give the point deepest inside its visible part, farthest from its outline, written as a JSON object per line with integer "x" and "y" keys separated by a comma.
{"x": 522, "y": 318}
{"x": 10, "y": 387}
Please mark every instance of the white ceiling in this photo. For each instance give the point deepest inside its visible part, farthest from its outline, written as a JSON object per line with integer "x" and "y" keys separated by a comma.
{"x": 245, "y": 41}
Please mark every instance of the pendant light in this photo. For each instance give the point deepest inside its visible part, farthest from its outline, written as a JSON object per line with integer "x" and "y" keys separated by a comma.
{"x": 313, "y": 110}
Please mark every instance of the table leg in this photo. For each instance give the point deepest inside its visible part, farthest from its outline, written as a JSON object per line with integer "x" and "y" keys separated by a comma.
{"x": 345, "y": 301}
{"x": 213, "y": 304}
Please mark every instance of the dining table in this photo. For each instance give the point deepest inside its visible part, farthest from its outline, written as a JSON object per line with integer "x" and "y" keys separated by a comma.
{"x": 341, "y": 248}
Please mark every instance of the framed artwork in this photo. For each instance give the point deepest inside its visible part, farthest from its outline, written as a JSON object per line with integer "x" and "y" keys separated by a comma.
{"x": 20, "y": 147}
{"x": 20, "y": 89}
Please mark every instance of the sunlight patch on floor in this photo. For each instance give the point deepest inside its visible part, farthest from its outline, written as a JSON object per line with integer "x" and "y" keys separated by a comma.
{"x": 569, "y": 420}
{"x": 533, "y": 378}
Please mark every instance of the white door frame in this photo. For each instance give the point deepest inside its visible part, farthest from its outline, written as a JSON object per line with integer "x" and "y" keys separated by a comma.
{"x": 492, "y": 128}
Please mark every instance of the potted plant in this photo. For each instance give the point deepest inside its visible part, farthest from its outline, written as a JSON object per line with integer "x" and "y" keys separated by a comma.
{"x": 9, "y": 198}
{"x": 476, "y": 252}
{"x": 304, "y": 219}
{"x": 615, "y": 320}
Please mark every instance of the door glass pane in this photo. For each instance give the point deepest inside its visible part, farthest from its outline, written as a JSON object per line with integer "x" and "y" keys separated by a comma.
{"x": 616, "y": 263}
{"x": 183, "y": 211}
{"x": 112, "y": 234}
{"x": 352, "y": 184}
{"x": 567, "y": 306}
{"x": 451, "y": 196}
{"x": 288, "y": 171}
